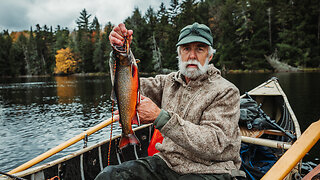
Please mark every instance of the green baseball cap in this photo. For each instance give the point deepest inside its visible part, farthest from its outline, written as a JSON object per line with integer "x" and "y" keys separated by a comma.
{"x": 195, "y": 33}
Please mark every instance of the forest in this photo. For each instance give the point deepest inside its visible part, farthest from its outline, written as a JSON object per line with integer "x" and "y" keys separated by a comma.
{"x": 245, "y": 32}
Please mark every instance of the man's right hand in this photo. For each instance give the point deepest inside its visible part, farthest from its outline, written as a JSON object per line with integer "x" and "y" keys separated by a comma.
{"x": 118, "y": 33}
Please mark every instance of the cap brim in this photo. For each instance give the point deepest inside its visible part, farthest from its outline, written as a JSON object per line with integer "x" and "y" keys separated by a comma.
{"x": 190, "y": 39}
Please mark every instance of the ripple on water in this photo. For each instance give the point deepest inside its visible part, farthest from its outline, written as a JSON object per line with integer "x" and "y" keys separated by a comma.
{"x": 29, "y": 130}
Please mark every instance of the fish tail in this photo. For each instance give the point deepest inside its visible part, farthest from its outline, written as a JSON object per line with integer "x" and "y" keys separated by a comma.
{"x": 128, "y": 139}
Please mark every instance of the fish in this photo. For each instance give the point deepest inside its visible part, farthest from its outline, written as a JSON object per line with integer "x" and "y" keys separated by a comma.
{"x": 125, "y": 91}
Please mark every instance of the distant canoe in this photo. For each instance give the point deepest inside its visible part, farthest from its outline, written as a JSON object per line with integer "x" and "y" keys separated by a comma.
{"x": 86, "y": 163}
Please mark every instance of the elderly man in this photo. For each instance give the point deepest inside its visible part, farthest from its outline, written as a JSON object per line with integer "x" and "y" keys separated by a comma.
{"x": 196, "y": 111}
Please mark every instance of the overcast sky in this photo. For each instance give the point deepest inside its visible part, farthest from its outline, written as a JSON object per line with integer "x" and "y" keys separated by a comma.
{"x": 17, "y": 15}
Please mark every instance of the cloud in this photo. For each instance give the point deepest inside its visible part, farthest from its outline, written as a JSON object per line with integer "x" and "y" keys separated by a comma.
{"x": 13, "y": 15}
{"x": 21, "y": 14}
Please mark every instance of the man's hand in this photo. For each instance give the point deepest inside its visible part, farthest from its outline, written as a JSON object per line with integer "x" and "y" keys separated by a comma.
{"x": 118, "y": 33}
{"x": 148, "y": 111}
{"x": 116, "y": 116}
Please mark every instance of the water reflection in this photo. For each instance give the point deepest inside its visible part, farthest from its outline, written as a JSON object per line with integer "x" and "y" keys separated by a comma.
{"x": 37, "y": 114}
{"x": 66, "y": 88}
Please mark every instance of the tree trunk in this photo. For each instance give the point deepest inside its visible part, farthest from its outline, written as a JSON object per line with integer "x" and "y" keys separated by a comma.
{"x": 26, "y": 59}
{"x": 270, "y": 35}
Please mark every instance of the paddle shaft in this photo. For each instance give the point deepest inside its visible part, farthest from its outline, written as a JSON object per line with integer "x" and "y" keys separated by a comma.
{"x": 61, "y": 146}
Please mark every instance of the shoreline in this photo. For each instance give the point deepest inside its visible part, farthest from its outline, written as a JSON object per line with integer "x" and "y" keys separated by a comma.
{"x": 233, "y": 71}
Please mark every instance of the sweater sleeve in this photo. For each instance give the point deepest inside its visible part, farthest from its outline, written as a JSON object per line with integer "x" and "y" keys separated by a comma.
{"x": 162, "y": 119}
{"x": 152, "y": 87}
{"x": 217, "y": 131}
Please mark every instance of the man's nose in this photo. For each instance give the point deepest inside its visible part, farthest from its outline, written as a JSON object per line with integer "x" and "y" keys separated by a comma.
{"x": 193, "y": 54}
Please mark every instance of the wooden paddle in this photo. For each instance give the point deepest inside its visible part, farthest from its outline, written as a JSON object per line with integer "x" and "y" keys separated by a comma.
{"x": 61, "y": 146}
{"x": 297, "y": 151}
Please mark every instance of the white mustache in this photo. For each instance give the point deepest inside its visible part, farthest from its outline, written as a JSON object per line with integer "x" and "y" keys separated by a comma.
{"x": 192, "y": 61}
{"x": 192, "y": 72}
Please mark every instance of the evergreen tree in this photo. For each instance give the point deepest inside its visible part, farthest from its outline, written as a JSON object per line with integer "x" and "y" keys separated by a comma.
{"x": 31, "y": 54}
{"x": 224, "y": 22}
{"x": 169, "y": 58}
{"x": 16, "y": 57}
{"x": 252, "y": 34}
{"x": 288, "y": 34}
{"x": 98, "y": 54}
{"x": 105, "y": 45}
{"x": 84, "y": 44}
{"x": 173, "y": 11}
{"x": 5, "y": 46}
{"x": 141, "y": 44}
{"x": 61, "y": 38}
{"x": 187, "y": 14}
{"x": 161, "y": 35}
{"x": 44, "y": 45}
{"x": 201, "y": 12}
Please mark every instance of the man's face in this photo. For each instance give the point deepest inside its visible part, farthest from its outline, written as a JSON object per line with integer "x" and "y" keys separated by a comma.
{"x": 194, "y": 59}
{"x": 194, "y": 51}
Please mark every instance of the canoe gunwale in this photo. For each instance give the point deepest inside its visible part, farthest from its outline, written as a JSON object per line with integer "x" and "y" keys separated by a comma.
{"x": 72, "y": 155}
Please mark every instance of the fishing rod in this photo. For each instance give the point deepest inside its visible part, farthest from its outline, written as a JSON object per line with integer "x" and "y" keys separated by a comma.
{"x": 272, "y": 122}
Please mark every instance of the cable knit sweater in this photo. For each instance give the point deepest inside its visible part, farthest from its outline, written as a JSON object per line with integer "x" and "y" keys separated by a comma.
{"x": 199, "y": 121}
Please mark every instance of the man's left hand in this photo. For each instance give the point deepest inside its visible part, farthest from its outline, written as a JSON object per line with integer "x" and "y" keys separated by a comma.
{"x": 148, "y": 110}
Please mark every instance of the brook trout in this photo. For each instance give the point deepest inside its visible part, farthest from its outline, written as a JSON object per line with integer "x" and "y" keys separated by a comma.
{"x": 125, "y": 82}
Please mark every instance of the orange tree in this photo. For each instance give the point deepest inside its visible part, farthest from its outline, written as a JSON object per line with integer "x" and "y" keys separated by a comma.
{"x": 66, "y": 62}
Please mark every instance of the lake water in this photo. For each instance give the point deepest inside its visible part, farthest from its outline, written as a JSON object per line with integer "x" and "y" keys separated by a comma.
{"x": 39, "y": 113}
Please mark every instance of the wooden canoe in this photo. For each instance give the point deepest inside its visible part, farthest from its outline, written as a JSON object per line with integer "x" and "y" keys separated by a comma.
{"x": 86, "y": 163}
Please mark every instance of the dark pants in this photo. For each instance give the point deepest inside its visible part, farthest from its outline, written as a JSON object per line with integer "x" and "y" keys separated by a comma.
{"x": 152, "y": 167}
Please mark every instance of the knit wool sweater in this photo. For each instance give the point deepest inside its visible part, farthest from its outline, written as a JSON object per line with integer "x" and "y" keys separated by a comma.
{"x": 198, "y": 120}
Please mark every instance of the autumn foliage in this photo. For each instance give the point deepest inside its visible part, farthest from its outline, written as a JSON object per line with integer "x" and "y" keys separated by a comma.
{"x": 66, "y": 63}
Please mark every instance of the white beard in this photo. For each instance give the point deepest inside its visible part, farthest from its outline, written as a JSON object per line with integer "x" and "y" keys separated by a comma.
{"x": 191, "y": 72}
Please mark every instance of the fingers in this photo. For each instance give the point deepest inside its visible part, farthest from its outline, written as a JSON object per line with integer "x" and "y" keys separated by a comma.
{"x": 143, "y": 97}
{"x": 116, "y": 118}
{"x": 118, "y": 33}
{"x": 123, "y": 30}
{"x": 115, "y": 38}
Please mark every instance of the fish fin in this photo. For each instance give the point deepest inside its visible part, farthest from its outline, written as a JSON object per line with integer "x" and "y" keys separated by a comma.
{"x": 138, "y": 60}
{"x": 130, "y": 139}
{"x": 134, "y": 69}
{"x": 113, "y": 95}
{"x": 138, "y": 119}
{"x": 112, "y": 64}
{"x": 138, "y": 98}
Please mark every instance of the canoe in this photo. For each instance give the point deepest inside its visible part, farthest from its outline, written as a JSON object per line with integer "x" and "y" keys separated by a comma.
{"x": 86, "y": 163}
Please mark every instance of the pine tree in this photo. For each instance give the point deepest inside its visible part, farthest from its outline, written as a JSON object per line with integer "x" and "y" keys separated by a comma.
{"x": 105, "y": 45}
{"x": 187, "y": 14}
{"x": 169, "y": 58}
{"x": 142, "y": 41}
{"x": 61, "y": 38}
{"x": 224, "y": 22}
{"x": 16, "y": 56}
{"x": 252, "y": 34}
{"x": 5, "y": 46}
{"x": 84, "y": 44}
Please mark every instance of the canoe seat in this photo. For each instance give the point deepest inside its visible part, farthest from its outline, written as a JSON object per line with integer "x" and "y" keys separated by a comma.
{"x": 254, "y": 133}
